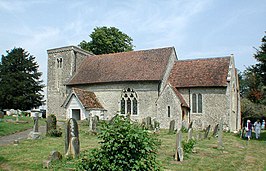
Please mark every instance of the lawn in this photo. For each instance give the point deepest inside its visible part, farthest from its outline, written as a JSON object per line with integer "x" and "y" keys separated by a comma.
{"x": 9, "y": 125}
{"x": 238, "y": 154}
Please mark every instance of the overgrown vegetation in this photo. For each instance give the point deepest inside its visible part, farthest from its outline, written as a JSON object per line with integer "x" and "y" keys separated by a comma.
{"x": 124, "y": 146}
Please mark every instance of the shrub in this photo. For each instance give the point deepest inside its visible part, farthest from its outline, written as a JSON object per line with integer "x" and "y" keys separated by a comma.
{"x": 188, "y": 146}
{"x": 54, "y": 133}
{"x": 124, "y": 146}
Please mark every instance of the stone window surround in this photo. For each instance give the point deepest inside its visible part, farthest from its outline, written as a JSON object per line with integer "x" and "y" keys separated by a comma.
{"x": 196, "y": 103}
{"x": 126, "y": 96}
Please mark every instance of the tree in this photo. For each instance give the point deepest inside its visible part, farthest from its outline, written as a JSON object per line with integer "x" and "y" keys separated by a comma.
{"x": 107, "y": 40}
{"x": 261, "y": 58}
{"x": 20, "y": 84}
{"x": 124, "y": 146}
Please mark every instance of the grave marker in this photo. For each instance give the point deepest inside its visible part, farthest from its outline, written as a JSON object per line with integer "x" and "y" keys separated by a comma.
{"x": 72, "y": 146}
{"x": 215, "y": 131}
{"x": 179, "y": 149}
{"x": 207, "y": 132}
{"x": 172, "y": 126}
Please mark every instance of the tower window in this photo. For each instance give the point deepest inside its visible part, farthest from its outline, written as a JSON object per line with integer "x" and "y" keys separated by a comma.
{"x": 59, "y": 62}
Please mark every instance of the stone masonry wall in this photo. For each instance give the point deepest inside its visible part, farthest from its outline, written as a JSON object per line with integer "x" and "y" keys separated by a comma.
{"x": 62, "y": 64}
{"x": 214, "y": 106}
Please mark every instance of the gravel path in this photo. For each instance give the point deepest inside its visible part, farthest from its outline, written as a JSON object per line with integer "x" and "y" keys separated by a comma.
{"x": 9, "y": 139}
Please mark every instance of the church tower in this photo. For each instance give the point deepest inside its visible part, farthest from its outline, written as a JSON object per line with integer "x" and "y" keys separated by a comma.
{"x": 62, "y": 65}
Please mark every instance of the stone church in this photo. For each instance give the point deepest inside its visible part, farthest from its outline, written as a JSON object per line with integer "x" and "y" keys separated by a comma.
{"x": 146, "y": 83}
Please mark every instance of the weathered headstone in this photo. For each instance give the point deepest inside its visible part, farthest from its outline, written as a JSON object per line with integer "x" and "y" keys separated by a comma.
{"x": 95, "y": 120}
{"x": 72, "y": 146}
{"x": 190, "y": 125}
{"x": 172, "y": 126}
{"x": 207, "y": 132}
{"x": 156, "y": 127}
{"x": 189, "y": 134}
{"x": 215, "y": 131}
{"x": 220, "y": 134}
{"x": 50, "y": 123}
{"x": 148, "y": 123}
{"x": 55, "y": 155}
{"x": 35, "y": 134}
{"x": 179, "y": 149}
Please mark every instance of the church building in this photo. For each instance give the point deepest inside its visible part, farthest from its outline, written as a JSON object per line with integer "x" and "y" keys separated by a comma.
{"x": 146, "y": 83}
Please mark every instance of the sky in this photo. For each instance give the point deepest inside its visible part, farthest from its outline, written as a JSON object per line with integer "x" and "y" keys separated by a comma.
{"x": 195, "y": 28}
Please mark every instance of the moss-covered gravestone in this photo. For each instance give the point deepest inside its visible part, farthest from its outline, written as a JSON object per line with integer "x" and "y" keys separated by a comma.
{"x": 179, "y": 150}
{"x": 172, "y": 126}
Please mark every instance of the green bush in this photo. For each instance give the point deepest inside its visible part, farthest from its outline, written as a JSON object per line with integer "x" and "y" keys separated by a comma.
{"x": 188, "y": 146}
{"x": 54, "y": 133}
{"x": 124, "y": 146}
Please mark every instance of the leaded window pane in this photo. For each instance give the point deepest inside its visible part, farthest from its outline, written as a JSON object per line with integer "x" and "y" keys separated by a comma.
{"x": 135, "y": 106}
{"x": 128, "y": 106}
{"x": 194, "y": 103}
{"x": 199, "y": 103}
{"x": 123, "y": 106}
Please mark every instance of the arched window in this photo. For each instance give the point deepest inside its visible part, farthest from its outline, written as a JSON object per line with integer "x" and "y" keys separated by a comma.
{"x": 135, "y": 106}
{"x": 129, "y": 102}
{"x": 123, "y": 107}
{"x": 196, "y": 103}
{"x": 199, "y": 103}
{"x": 168, "y": 111}
{"x": 59, "y": 62}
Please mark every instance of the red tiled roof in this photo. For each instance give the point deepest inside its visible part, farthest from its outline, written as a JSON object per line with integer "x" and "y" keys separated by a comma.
{"x": 183, "y": 102}
{"x": 145, "y": 65}
{"x": 87, "y": 98}
{"x": 210, "y": 72}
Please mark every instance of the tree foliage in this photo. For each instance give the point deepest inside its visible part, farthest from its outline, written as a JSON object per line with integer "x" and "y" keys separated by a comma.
{"x": 106, "y": 40}
{"x": 124, "y": 146}
{"x": 253, "y": 86}
{"x": 20, "y": 83}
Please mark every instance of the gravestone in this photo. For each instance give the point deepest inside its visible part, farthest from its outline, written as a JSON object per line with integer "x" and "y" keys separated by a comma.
{"x": 50, "y": 123}
{"x": 215, "y": 131}
{"x": 95, "y": 120}
{"x": 172, "y": 126}
{"x": 220, "y": 134}
{"x": 190, "y": 125}
{"x": 189, "y": 134}
{"x": 148, "y": 123}
{"x": 35, "y": 134}
{"x": 179, "y": 150}
{"x": 207, "y": 132}
{"x": 156, "y": 127}
{"x": 54, "y": 156}
{"x": 72, "y": 146}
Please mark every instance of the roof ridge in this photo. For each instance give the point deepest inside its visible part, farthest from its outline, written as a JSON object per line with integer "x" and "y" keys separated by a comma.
{"x": 208, "y": 58}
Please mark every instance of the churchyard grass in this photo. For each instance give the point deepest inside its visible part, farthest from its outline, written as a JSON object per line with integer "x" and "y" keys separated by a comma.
{"x": 8, "y": 125}
{"x": 237, "y": 154}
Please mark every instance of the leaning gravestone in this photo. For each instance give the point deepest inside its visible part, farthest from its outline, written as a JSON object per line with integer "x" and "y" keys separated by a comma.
{"x": 35, "y": 134}
{"x": 189, "y": 134}
{"x": 179, "y": 149}
{"x": 172, "y": 126}
{"x": 220, "y": 134}
{"x": 207, "y": 132}
{"x": 72, "y": 146}
{"x": 190, "y": 125}
{"x": 215, "y": 131}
